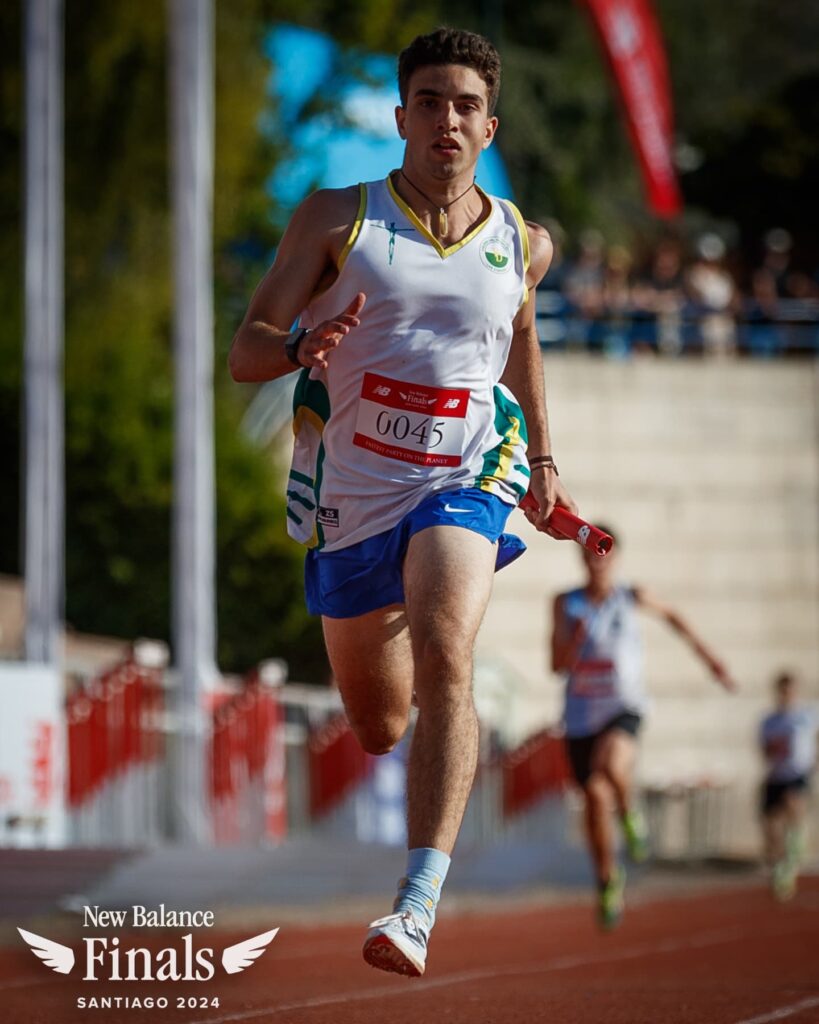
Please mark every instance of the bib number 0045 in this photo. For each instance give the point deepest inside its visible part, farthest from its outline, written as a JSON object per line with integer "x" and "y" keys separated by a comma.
{"x": 428, "y": 435}
{"x": 411, "y": 422}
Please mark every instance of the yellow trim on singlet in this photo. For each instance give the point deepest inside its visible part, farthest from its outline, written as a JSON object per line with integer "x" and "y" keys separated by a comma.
{"x": 412, "y": 217}
{"x": 359, "y": 217}
{"x": 305, "y": 413}
{"x": 524, "y": 241}
{"x": 510, "y": 442}
{"x": 524, "y": 234}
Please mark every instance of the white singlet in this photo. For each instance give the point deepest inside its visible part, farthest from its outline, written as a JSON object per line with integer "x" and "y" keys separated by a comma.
{"x": 411, "y": 401}
{"x": 788, "y": 740}
{"x": 607, "y": 677}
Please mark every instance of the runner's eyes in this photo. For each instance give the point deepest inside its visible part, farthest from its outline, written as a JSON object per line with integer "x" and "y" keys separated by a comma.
{"x": 462, "y": 108}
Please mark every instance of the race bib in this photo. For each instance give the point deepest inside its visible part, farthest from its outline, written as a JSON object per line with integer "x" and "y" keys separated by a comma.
{"x": 412, "y": 422}
{"x": 594, "y": 679}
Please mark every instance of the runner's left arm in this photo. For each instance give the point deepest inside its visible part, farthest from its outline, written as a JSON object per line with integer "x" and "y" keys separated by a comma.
{"x": 523, "y": 376}
{"x": 681, "y": 626}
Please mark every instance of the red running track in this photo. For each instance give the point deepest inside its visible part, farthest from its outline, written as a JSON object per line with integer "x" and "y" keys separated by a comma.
{"x": 728, "y": 956}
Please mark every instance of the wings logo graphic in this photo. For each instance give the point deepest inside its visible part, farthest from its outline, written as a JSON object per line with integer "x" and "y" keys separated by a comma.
{"x": 53, "y": 954}
{"x": 236, "y": 958}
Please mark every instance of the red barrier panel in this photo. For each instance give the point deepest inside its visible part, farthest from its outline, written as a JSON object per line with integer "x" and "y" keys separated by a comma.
{"x": 275, "y": 787}
{"x": 534, "y": 770}
{"x": 78, "y": 719}
{"x": 247, "y": 779}
{"x": 112, "y": 725}
{"x": 337, "y": 763}
{"x": 151, "y": 709}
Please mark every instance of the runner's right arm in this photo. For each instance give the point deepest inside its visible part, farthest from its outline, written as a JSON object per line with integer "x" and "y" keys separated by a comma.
{"x": 650, "y": 603}
{"x": 305, "y": 261}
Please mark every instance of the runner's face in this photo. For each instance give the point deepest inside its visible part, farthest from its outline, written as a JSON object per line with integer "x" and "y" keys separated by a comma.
{"x": 787, "y": 693}
{"x": 600, "y": 570}
{"x": 446, "y": 121}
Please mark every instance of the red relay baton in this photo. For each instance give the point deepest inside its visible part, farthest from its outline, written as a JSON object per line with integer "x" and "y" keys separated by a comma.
{"x": 562, "y": 521}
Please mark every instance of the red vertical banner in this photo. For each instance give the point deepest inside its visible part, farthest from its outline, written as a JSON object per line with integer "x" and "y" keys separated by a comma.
{"x": 634, "y": 47}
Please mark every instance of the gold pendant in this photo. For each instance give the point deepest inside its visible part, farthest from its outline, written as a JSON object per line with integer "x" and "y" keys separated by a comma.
{"x": 442, "y": 222}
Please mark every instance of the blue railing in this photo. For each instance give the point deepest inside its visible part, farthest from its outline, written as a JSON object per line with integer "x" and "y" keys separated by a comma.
{"x": 792, "y": 329}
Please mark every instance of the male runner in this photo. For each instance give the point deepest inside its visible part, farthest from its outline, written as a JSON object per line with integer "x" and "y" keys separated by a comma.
{"x": 421, "y": 382}
{"x": 596, "y": 644}
{"x": 787, "y": 738}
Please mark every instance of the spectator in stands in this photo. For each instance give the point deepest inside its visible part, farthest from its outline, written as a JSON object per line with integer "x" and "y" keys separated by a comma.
{"x": 617, "y": 301}
{"x": 787, "y": 738}
{"x": 596, "y": 645}
{"x": 713, "y": 292}
{"x": 659, "y": 299}
{"x": 763, "y": 335}
{"x": 776, "y": 261}
{"x": 583, "y": 288}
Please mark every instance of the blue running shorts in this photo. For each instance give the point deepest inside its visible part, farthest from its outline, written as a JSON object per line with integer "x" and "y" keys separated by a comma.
{"x": 368, "y": 575}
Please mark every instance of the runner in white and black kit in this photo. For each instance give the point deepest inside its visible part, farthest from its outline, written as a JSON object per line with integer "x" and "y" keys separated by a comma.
{"x": 788, "y": 740}
{"x": 420, "y": 420}
{"x": 596, "y": 645}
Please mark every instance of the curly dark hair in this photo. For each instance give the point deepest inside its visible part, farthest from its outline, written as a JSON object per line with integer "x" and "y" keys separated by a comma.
{"x": 451, "y": 46}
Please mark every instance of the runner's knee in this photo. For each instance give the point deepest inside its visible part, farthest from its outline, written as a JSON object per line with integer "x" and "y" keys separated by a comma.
{"x": 443, "y": 669}
{"x": 598, "y": 790}
{"x": 379, "y": 736}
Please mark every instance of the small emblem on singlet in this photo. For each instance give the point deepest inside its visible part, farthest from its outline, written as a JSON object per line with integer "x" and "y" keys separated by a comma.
{"x": 393, "y": 230}
{"x": 496, "y": 254}
{"x": 327, "y": 516}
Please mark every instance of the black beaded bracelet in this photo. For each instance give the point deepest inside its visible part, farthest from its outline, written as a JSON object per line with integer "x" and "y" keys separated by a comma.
{"x": 543, "y": 462}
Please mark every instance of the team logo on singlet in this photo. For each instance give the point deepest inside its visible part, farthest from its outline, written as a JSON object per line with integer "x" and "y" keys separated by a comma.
{"x": 496, "y": 254}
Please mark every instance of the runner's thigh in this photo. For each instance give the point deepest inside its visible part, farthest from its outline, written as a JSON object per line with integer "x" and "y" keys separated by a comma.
{"x": 371, "y": 660}
{"x": 448, "y": 573}
{"x": 615, "y": 751}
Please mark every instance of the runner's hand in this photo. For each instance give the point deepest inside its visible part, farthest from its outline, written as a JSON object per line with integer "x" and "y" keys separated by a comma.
{"x": 317, "y": 345}
{"x": 547, "y": 489}
{"x": 723, "y": 676}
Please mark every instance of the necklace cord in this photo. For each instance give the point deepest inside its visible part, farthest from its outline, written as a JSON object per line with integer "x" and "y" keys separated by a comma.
{"x": 442, "y": 218}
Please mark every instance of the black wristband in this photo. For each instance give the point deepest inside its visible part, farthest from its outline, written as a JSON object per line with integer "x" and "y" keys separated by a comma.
{"x": 291, "y": 346}
{"x": 543, "y": 462}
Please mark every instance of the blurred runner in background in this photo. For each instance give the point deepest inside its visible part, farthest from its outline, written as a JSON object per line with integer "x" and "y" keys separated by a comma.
{"x": 787, "y": 737}
{"x": 596, "y": 644}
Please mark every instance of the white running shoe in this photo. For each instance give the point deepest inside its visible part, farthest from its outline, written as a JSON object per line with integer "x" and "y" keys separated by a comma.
{"x": 397, "y": 943}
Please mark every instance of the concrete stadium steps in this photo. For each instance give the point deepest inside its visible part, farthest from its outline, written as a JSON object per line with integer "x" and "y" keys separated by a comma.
{"x": 710, "y": 470}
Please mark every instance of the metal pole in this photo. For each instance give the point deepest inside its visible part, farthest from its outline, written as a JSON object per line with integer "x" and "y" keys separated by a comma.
{"x": 43, "y": 553}
{"x": 194, "y": 627}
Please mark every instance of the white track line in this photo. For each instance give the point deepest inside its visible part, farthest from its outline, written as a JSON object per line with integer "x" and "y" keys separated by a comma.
{"x": 782, "y": 1012}
{"x": 465, "y": 977}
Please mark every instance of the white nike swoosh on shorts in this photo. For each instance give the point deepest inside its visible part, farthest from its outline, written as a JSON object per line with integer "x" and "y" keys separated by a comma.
{"x": 449, "y": 508}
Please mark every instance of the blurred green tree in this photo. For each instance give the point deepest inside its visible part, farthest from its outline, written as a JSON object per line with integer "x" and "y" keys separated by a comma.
{"x": 740, "y": 72}
{"x": 118, "y": 360}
